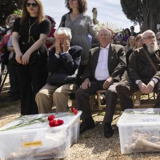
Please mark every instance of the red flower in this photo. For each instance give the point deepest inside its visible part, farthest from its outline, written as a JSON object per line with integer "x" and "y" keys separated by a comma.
{"x": 51, "y": 117}
{"x": 52, "y": 123}
{"x": 60, "y": 121}
{"x": 74, "y": 110}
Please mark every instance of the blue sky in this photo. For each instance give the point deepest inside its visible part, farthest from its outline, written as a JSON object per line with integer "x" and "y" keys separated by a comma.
{"x": 108, "y": 11}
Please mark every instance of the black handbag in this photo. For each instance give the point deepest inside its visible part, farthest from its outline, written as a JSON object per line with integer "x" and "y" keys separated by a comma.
{"x": 62, "y": 77}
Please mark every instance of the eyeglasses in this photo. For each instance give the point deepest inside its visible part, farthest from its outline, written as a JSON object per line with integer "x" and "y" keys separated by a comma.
{"x": 73, "y": 0}
{"x": 150, "y": 37}
{"x": 104, "y": 35}
{"x": 31, "y": 4}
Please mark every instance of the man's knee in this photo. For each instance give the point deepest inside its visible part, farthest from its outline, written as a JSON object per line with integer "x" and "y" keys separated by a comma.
{"x": 79, "y": 92}
{"x": 120, "y": 87}
{"x": 39, "y": 96}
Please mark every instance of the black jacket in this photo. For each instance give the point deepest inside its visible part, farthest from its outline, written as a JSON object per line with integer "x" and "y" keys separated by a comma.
{"x": 140, "y": 68}
{"x": 116, "y": 62}
{"x": 68, "y": 61}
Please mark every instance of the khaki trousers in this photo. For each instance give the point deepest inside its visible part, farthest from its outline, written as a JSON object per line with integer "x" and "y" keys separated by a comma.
{"x": 50, "y": 96}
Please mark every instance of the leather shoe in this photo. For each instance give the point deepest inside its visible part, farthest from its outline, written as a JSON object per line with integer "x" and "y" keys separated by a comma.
{"x": 108, "y": 131}
{"x": 86, "y": 125}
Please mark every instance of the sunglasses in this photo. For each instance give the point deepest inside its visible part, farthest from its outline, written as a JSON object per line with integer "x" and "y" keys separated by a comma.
{"x": 31, "y": 4}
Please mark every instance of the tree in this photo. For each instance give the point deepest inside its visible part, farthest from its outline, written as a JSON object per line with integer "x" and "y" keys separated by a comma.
{"x": 144, "y": 12}
{"x": 7, "y": 7}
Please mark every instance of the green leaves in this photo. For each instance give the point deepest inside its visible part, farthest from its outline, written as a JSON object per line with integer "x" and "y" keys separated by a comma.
{"x": 143, "y": 12}
{"x": 7, "y": 7}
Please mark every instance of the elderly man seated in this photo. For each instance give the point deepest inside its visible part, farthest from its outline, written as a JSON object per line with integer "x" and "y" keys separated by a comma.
{"x": 142, "y": 74}
{"x": 106, "y": 65}
{"x": 64, "y": 61}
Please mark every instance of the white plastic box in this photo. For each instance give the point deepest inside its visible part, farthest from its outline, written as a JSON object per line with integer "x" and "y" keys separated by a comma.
{"x": 139, "y": 130}
{"x": 39, "y": 140}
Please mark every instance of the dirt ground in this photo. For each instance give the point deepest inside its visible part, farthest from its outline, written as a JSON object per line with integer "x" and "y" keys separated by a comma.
{"x": 92, "y": 145}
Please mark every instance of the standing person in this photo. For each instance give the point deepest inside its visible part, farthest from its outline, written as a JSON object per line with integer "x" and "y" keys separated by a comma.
{"x": 81, "y": 25}
{"x": 29, "y": 35}
{"x": 14, "y": 84}
{"x": 50, "y": 39}
{"x": 132, "y": 31}
{"x": 126, "y": 35}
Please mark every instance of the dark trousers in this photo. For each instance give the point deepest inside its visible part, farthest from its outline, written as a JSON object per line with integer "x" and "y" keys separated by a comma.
{"x": 125, "y": 91}
{"x": 82, "y": 97}
{"x": 14, "y": 83}
{"x": 111, "y": 101}
{"x": 31, "y": 79}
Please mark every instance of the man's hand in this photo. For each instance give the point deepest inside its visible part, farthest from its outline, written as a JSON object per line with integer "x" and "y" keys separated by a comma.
{"x": 150, "y": 86}
{"x": 66, "y": 45}
{"x": 25, "y": 58}
{"x": 107, "y": 83}
{"x": 86, "y": 84}
{"x": 142, "y": 87}
{"x": 57, "y": 46}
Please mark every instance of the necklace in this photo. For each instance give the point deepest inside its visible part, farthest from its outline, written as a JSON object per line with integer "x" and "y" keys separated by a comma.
{"x": 29, "y": 32}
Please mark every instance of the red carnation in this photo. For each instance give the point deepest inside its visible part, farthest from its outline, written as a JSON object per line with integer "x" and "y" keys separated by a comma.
{"x": 72, "y": 109}
{"x": 52, "y": 123}
{"x": 60, "y": 121}
{"x": 75, "y": 112}
{"x": 51, "y": 117}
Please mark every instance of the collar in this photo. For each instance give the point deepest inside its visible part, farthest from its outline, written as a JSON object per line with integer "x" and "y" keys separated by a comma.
{"x": 107, "y": 47}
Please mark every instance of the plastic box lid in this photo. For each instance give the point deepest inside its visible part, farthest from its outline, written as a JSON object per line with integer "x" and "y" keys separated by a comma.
{"x": 138, "y": 117}
{"x": 38, "y": 121}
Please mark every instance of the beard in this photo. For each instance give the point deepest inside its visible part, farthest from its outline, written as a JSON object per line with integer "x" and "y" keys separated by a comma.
{"x": 153, "y": 47}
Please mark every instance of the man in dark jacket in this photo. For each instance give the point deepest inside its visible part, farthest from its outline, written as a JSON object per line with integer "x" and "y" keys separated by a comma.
{"x": 63, "y": 60}
{"x": 142, "y": 76}
{"x": 104, "y": 69}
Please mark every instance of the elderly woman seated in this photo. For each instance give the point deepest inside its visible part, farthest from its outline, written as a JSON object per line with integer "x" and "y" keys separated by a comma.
{"x": 64, "y": 61}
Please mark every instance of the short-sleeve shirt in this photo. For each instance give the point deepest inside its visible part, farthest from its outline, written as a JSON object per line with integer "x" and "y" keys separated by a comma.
{"x": 31, "y": 26}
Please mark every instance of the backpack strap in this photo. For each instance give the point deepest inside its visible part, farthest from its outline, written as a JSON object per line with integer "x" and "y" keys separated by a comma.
{"x": 64, "y": 19}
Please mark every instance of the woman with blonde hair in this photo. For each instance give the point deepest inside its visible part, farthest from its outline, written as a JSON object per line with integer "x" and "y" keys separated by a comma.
{"x": 130, "y": 44}
{"x": 29, "y": 35}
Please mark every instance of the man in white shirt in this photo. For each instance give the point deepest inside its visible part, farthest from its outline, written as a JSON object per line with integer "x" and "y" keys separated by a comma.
{"x": 105, "y": 67}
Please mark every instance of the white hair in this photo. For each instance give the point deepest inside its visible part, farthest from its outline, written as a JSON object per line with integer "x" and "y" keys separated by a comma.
{"x": 147, "y": 31}
{"x": 63, "y": 30}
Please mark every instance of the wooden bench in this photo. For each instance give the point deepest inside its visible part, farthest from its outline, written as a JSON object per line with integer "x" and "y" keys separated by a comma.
{"x": 147, "y": 100}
